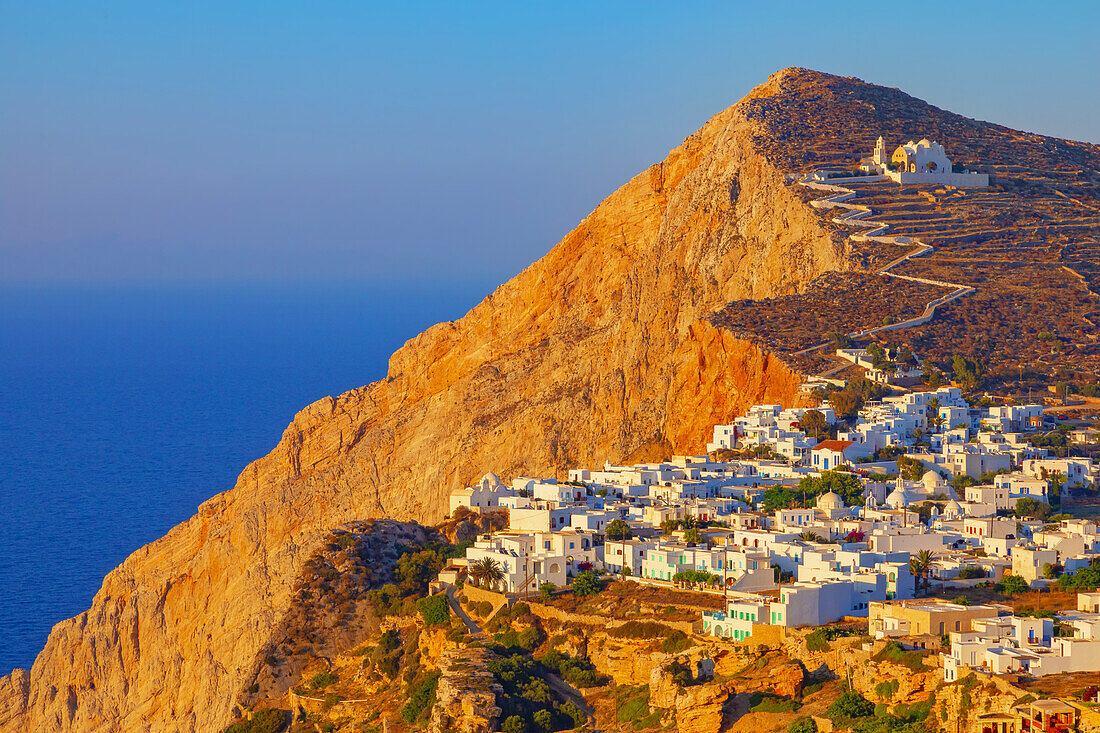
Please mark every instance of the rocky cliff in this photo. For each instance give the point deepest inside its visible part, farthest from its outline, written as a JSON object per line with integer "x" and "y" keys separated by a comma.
{"x": 600, "y": 350}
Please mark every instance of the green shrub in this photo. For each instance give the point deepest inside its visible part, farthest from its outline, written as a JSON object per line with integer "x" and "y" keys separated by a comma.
{"x": 544, "y": 719}
{"x": 633, "y": 709}
{"x": 915, "y": 712}
{"x": 484, "y": 608}
{"x": 886, "y": 689}
{"x": 774, "y": 704}
{"x": 322, "y": 679}
{"x": 577, "y": 671}
{"x": 421, "y": 698}
{"x": 586, "y": 584}
{"x": 675, "y": 642}
{"x": 546, "y": 590}
{"x": 802, "y": 725}
{"x": 572, "y": 711}
{"x": 435, "y": 610}
{"x": 388, "y": 641}
{"x": 579, "y": 677}
{"x": 848, "y": 706}
{"x": 817, "y": 641}
{"x": 268, "y": 720}
{"x": 695, "y": 576}
{"x": 330, "y": 700}
{"x": 530, "y": 638}
{"x": 344, "y": 541}
{"x": 514, "y": 724}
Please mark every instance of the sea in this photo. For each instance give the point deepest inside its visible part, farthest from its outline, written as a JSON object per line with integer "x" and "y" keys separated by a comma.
{"x": 122, "y": 408}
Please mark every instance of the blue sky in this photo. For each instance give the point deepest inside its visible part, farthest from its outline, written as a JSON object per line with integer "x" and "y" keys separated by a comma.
{"x": 349, "y": 141}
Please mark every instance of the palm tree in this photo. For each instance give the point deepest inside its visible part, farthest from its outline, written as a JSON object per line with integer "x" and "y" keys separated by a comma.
{"x": 809, "y": 536}
{"x": 485, "y": 572}
{"x": 920, "y": 565}
{"x": 476, "y": 571}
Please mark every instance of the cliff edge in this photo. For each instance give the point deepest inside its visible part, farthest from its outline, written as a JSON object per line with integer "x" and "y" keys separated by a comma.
{"x": 600, "y": 350}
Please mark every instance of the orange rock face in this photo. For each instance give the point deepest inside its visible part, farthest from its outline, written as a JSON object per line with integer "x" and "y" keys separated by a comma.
{"x": 597, "y": 351}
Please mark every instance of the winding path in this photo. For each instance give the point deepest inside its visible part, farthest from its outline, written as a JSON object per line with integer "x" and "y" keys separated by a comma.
{"x": 472, "y": 626}
{"x": 857, "y": 215}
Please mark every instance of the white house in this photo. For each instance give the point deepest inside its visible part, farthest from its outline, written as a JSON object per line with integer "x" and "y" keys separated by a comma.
{"x": 1028, "y": 562}
{"x": 1011, "y": 645}
{"x": 830, "y": 454}
{"x": 1075, "y": 470}
{"x": 525, "y": 564}
{"x": 1020, "y": 485}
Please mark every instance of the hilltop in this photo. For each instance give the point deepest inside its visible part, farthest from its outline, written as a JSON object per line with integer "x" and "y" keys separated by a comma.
{"x": 611, "y": 347}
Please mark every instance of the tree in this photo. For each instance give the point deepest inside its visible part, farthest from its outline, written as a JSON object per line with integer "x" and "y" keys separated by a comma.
{"x": 416, "y": 570}
{"x": 1013, "y": 585}
{"x": 1057, "y": 481}
{"x": 968, "y": 372}
{"x": 585, "y": 584}
{"x": 1028, "y": 507}
{"x": 578, "y": 716}
{"x": 840, "y": 340}
{"x": 514, "y": 724}
{"x": 878, "y": 356}
{"x": 920, "y": 565}
{"x": 544, "y": 719}
{"x": 693, "y": 536}
{"x": 910, "y": 468}
{"x": 486, "y": 572}
{"x": 617, "y": 529}
{"x": 434, "y": 609}
{"x": 845, "y": 404}
{"x": 809, "y": 536}
{"x": 546, "y": 590}
{"x": 814, "y": 425}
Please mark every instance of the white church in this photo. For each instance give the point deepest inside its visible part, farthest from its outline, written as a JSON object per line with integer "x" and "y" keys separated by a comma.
{"x": 920, "y": 162}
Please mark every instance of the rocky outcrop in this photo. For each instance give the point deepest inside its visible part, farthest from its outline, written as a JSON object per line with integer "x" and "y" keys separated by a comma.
{"x": 698, "y": 707}
{"x": 788, "y": 679}
{"x": 600, "y": 350}
{"x": 466, "y": 698}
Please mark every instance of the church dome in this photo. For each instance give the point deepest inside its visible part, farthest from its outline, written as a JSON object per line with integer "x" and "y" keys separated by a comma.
{"x": 932, "y": 480}
{"x": 490, "y": 480}
{"x": 952, "y": 510}
{"x": 897, "y": 499}
{"x": 830, "y": 500}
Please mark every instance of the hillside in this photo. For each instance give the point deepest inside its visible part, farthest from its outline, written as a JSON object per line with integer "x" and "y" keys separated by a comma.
{"x": 607, "y": 348}
{"x": 1029, "y": 243}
